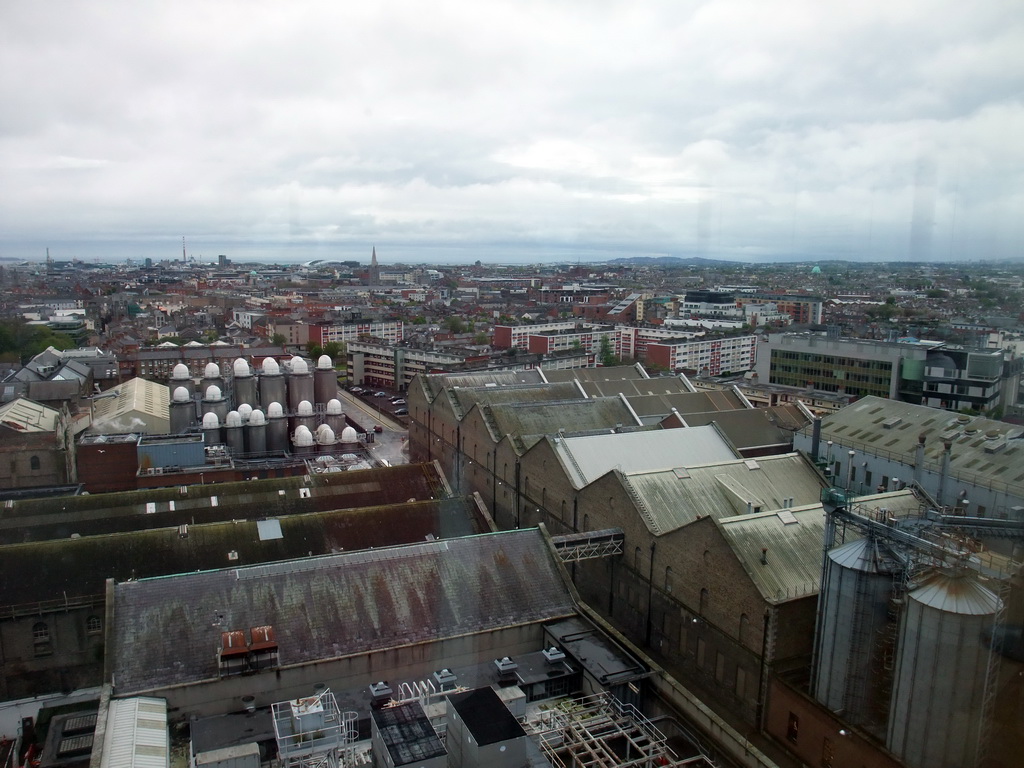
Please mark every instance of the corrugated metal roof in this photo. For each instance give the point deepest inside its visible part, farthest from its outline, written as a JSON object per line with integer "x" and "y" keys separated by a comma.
{"x": 587, "y": 458}
{"x": 140, "y": 405}
{"x": 24, "y": 415}
{"x": 955, "y": 592}
{"x": 723, "y": 489}
{"x": 165, "y": 630}
{"x": 541, "y": 418}
{"x": 974, "y": 457}
{"x": 791, "y": 566}
{"x": 136, "y": 734}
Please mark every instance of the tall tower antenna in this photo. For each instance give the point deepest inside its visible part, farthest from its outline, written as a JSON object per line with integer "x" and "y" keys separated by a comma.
{"x": 49, "y": 261}
{"x": 183, "y": 258}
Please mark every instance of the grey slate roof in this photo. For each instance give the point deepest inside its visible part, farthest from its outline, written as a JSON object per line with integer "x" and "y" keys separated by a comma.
{"x": 525, "y": 419}
{"x": 165, "y": 631}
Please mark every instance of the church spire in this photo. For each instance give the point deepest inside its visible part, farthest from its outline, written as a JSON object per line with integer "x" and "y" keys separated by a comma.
{"x": 373, "y": 257}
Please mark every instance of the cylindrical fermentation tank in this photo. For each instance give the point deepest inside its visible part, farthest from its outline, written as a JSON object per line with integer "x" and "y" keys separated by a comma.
{"x": 300, "y": 383}
{"x": 211, "y": 429}
{"x": 257, "y": 430}
{"x": 854, "y": 604}
{"x": 335, "y": 419}
{"x": 234, "y": 435}
{"x": 183, "y": 411}
{"x": 272, "y": 384}
{"x": 941, "y": 666}
{"x": 277, "y": 428}
{"x": 215, "y": 402}
{"x": 325, "y": 381}
{"x": 245, "y": 384}
{"x": 180, "y": 377}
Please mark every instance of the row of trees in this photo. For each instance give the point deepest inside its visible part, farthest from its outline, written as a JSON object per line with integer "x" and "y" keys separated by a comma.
{"x": 20, "y": 342}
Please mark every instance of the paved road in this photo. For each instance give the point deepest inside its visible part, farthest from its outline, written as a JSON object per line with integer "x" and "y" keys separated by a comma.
{"x": 392, "y": 445}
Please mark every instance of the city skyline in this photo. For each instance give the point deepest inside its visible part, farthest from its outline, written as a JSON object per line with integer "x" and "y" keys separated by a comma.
{"x": 514, "y": 133}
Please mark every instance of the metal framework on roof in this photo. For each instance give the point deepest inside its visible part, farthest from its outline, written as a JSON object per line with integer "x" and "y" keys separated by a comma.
{"x": 601, "y": 732}
{"x": 313, "y": 732}
{"x": 573, "y": 547}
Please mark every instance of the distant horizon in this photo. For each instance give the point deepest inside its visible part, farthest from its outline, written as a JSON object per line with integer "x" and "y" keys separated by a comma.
{"x": 399, "y": 254}
{"x": 733, "y": 130}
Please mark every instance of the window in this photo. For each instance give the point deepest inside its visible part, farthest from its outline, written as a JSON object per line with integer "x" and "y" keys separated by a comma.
{"x": 41, "y": 639}
{"x": 668, "y": 579}
{"x": 705, "y": 597}
{"x": 34, "y": 463}
{"x": 40, "y": 632}
{"x": 93, "y": 625}
{"x": 793, "y": 728}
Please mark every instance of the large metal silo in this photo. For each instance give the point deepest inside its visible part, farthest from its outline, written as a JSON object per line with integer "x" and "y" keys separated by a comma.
{"x": 272, "y": 388}
{"x": 211, "y": 378}
{"x": 234, "y": 433}
{"x": 300, "y": 383}
{"x": 257, "y": 430}
{"x": 182, "y": 411}
{"x": 941, "y": 671}
{"x": 325, "y": 381}
{"x": 277, "y": 428}
{"x": 854, "y": 619}
{"x": 245, "y": 384}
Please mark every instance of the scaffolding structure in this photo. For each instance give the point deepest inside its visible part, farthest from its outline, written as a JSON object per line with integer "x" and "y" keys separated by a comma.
{"x": 313, "y": 732}
{"x": 601, "y": 732}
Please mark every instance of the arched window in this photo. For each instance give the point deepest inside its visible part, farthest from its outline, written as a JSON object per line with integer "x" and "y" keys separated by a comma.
{"x": 668, "y": 579}
{"x": 586, "y": 522}
{"x": 40, "y": 632}
{"x": 93, "y": 625}
{"x": 636, "y": 558}
{"x": 744, "y": 627}
{"x": 34, "y": 463}
{"x": 705, "y": 598}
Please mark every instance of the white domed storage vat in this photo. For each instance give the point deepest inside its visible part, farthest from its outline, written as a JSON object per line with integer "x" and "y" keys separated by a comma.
{"x": 335, "y": 417}
{"x": 272, "y": 388}
{"x": 183, "y": 411}
{"x": 853, "y": 615}
{"x": 211, "y": 377}
{"x": 180, "y": 377}
{"x": 325, "y": 381}
{"x": 257, "y": 431}
{"x": 277, "y": 428}
{"x": 245, "y": 384}
{"x": 234, "y": 435}
{"x": 214, "y": 401}
{"x": 941, "y": 671}
{"x": 300, "y": 383}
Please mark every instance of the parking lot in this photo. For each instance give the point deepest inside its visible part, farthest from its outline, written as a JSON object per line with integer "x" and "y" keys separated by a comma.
{"x": 382, "y": 401}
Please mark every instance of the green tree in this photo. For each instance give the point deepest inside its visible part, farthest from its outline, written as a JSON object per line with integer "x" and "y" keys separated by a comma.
{"x": 313, "y": 349}
{"x": 334, "y": 350}
{"x": 278, "y": 339}
{"x": 454, "y": 324}
{"x": 606, "y": 355}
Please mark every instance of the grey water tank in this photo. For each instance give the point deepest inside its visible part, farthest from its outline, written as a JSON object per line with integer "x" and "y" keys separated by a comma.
{"x": 245, "y": 384}
{"x": 300, "y": 383}
{"x": 853, "y": 607}
{"x": 211, "y": 429}
{"x": 335, "y": 419}
{"x": 234, "y": 435}
{"x": 257, "y": 431}
{"x": 325, "y": 381}
{"x": 183, "y": 411}
{"x": 277, "y": 428}
{"x": 180, "y": 377}
{"x": 940, "y": 675}
{"x": 272, "y": 388}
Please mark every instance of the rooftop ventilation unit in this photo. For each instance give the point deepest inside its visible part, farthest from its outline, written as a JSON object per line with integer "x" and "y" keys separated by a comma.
{"x": 553, "y": 655}
{"x": 893, "y": 422}
{"x": 446, "y": 679}
{"x": 380, "y": 692}
{"x": 506, "y": 670}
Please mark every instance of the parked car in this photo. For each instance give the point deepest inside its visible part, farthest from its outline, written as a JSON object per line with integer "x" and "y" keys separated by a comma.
{"x": 402, "y": 412}
{"x": 398, "y": 401}
{"x": 356, "y": 390}
{"x": 378, "y": 428}
{"x": 380, "y": 394}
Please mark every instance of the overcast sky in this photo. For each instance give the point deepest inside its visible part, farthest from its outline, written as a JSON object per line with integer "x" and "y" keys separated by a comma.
{"x": 455, "y": 131}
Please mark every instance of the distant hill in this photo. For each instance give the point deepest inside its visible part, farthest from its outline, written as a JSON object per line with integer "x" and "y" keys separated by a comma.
{"x": 669, "y": 261}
